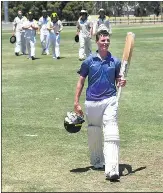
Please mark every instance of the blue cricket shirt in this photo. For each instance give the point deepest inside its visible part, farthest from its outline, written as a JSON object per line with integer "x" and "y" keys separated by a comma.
{"x": 101, "y": 76}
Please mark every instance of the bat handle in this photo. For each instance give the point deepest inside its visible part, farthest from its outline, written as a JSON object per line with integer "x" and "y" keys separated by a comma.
{"x": 119, "y": 93}
{"x": 123, "y": 74}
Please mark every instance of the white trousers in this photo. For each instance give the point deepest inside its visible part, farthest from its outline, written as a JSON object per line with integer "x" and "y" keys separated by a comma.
{"x": 20, "y": 42}
{"x": 55, "y": 43}
{"x": 85, "y": 46}
{"x": 45, "y": 42}
{"x": 31, "y": 46}
{"x": 103, "y": 134}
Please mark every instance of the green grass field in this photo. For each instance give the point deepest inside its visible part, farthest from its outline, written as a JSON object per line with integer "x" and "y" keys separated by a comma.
{"x": 38, "y": 155}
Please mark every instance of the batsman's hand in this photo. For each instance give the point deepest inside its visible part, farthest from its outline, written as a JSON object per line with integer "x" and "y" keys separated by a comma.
{"x": 78, "y": 109}
{"x": 121, "y": 82}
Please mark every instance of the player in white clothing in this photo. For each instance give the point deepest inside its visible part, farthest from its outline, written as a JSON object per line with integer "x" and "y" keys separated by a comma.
{"x": 102, "y": 22}
{"x": 84, "y": 27}
{"x": 44, "y": 32}
{"x": 19, "y": 33}
{"x": 55, "y": 26}
{"x": 30, "y": 27}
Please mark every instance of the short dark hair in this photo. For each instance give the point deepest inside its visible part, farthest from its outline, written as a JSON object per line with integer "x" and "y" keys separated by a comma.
{"x": 103, "y": 33}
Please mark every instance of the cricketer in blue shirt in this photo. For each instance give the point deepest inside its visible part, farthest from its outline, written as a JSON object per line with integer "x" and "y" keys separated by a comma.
{"x": 101, "y": 76}
{"x": 101, "y": 106}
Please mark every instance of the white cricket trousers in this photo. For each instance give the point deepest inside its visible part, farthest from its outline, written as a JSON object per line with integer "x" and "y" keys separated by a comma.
{"x": 20, "y": 42}
{"x": 45, "y": 42}
{"x": 55, "y": 43}
{"x": 103, "y": 134}
{"x": 31, "y": 46}
{"x": 85, "y": 46}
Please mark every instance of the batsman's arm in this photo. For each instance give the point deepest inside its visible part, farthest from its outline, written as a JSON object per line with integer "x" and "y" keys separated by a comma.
{"x": 14, "y": 26}
{"x": 34, "y": 26}
{"x": 78, "y": 28}
{"x": 91, "y": 29}
{"x": 60, "y": 26}
{"x": 49, "y": 26}
{"x": 94, "y": 28}
{"x": 79, "y": 88}
{"x": 120, "y": 80}
{"x": 39, "y": 26}
{"x": 26, "y": 25}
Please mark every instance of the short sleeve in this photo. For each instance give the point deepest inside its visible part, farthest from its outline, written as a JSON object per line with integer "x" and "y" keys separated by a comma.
{"x": 14, "y": 22}
{"x": 61, "y": 25}
{"x": 84, "y": 69}
{"x": 40, "y": 22}
{"x": 90, "y": 23}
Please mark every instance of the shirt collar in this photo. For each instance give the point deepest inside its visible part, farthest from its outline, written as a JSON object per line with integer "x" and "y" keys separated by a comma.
{"x": 106, "y": 58}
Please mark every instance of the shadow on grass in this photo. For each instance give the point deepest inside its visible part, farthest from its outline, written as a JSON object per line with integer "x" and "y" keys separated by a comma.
{"x": 27, "y": 55}
{"x": 124, "y": 169}
{"x": 37, "y": 58}
{"x": 62, "y": 57}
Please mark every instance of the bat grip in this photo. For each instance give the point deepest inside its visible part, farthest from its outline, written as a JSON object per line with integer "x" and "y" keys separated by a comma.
{"x": 120, "y": 88}
{"x": 123, "y": 74}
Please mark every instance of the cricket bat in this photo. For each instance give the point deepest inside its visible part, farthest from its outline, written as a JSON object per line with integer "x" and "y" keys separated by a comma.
{"x": 126, "y": 58}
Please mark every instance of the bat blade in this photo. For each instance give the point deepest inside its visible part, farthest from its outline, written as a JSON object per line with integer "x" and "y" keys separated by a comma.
{"x": 126, "y": 58}
{"x": 127, "y": 53}
{"x": 128, "y": 46}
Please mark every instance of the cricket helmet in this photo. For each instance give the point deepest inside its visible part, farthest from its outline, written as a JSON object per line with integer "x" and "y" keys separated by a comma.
{"x": 73, "y": 122}
{"x": 76, "y": 38}
{"x": 12, "y": 39}
{"x": 54, "y": 15}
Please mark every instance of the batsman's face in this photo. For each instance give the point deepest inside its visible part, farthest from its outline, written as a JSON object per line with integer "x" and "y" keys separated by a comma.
{"x": 103, "y": 43}
{"x": 44, "y": 15}
{"x": 19, "y": 14}
{"x": 84, "y": 16}
{"x": 54, "y": 19}
{"x": 102, "y": 14}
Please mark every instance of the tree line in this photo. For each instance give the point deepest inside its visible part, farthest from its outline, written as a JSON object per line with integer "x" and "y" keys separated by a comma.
{"x": 70, "y": 10}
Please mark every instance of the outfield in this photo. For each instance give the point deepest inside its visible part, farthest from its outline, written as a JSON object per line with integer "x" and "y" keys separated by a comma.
{"x": 38, "y": 155}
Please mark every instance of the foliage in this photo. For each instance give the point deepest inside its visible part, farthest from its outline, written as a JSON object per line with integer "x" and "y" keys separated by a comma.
{"x": 72, "y": 10}
{"x": 69, "y": 10}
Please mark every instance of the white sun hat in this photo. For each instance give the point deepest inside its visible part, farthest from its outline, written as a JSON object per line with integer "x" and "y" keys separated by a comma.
{"x": 83, "y": 11}
{"x": 102, "y": 27}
